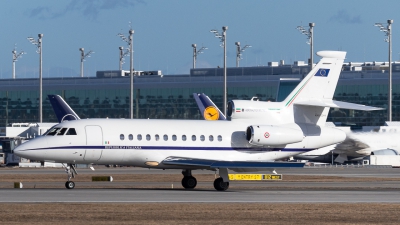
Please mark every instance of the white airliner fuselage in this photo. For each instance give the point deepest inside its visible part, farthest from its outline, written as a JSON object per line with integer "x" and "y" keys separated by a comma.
{"x": 258, "y": 132}
{"x": 146, "y": 143}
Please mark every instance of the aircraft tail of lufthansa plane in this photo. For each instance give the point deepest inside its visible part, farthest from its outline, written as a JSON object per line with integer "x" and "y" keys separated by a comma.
{"x": 62, "y": 110}
{"x": 207, "y": 108}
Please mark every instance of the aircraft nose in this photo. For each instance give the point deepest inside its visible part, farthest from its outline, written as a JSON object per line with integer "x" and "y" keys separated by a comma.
{"x": 27, "y": 150}
{"x": 20, "y": 150}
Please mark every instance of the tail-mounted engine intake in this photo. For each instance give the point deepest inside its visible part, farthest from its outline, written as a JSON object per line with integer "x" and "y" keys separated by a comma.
{"x": 273, "y": 135}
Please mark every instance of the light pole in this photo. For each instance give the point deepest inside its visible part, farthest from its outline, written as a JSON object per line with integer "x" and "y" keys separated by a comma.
{"x": 15, "y": 58}
{"x": 309, "y": 33}
{"x": 130, "y": 44}
{"x": 83, "y": 57}
{"x": 195, "y": 53}
{"x": 239, "y": 52}
{"x": 38, "y": 44}
{"x": 122, "y": 55}
{"x": 222, "y": 37}
{"x": 388, "y": 32}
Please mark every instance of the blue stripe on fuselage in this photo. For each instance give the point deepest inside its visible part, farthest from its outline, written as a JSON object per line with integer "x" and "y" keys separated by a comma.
{"x": 176, "y": 148}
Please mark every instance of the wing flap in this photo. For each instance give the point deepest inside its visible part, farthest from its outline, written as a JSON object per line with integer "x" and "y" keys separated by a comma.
{"x": 213, "y": 164}
{"x": 337, "y": 104}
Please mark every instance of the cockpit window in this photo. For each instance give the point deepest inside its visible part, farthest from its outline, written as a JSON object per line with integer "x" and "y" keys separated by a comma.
{"x": 48, "y": 131}
{"x": 71, "y": 131}
{"x": 53, "y": 131}
{"x": 62, "y": 131}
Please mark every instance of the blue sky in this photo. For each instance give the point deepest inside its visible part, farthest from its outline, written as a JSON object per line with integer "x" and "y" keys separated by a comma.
{"x": 165, "y": 30}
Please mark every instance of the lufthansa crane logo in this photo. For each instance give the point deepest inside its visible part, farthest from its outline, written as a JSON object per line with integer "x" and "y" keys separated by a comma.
{"x": 266, "y": 135}
{"x": 211, "y": 113}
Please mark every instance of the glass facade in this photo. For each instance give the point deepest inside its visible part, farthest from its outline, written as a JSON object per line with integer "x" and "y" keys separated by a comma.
{"x": 170, "y": 97}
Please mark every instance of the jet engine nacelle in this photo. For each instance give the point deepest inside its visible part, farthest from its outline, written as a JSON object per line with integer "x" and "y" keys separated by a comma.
{"x": 273, "y": 135}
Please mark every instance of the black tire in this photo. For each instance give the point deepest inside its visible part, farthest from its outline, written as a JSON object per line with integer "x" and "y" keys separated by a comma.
{"x": 70, "y": 185}
{"x": 189, "y": 182}
{"x": 220, "y": 185}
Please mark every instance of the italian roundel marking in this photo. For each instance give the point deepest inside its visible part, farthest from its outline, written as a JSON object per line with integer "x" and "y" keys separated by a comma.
{"x": 266, "y": 135}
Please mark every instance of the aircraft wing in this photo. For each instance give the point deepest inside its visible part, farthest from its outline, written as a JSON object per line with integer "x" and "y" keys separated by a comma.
{"x": 214, "y": 164}
{"x": 337, "y": 104}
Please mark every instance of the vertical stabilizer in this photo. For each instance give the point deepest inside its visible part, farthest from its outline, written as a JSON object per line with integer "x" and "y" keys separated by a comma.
{"x": 207, "y": 108}
{"x": 62, "y": 109}
{"x": 318, "y": 85}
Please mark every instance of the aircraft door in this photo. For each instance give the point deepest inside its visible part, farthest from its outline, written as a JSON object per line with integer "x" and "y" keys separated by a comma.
{"x": 94, "y": 143}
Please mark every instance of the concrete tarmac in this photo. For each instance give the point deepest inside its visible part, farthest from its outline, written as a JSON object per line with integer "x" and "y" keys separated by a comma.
{"x": 240, "y": 191}
{"x": 196, "y": 196}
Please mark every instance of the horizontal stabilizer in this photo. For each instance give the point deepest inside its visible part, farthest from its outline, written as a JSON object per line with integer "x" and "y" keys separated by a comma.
{"x": 337, "y": 104}
{"x": 179, "y": 161}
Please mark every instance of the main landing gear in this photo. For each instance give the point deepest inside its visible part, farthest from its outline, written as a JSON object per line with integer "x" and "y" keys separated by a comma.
{"x": 71, "y": 172}
{"x": 220, "y": 184}
{"x": 188, "y": 181}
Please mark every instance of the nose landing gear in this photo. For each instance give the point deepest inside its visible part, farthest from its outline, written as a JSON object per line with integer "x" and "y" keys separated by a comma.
{"x": 71, "y": 172}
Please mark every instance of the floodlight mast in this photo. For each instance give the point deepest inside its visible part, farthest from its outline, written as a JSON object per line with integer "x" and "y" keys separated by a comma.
{"x": 310, "y": 36}
{"x": 239, "y": 52}
{"x": 16, "y": 56}
{"x": 129, "y": 41}
{"x": 39, "y": 50}
{"x": 388, "y": 32}
{"x": 222, "y": 37}
{"x": 83, "y": 57}
{"x": 196, "y": 53}
{"x": 122, "y": 55}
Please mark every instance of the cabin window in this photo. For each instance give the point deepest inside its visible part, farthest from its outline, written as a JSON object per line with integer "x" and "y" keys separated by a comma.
{"x": 202, "y": 138}
{"x": 219, "y": 138}
{"x": 130, "y": 137}
{"x": 62, "y": 131}
{"x": 165, "y": 137}
{"x": 148, "y": 137}
{"x": 183, "y": 137}
{"x": 174, "y": 137}
{"x": 193, "y": 137}
{"x": 71, "y": 131}
{"x": 139, "y": 137}
{"x": 122, "y": 137}
{"x": 211, "y": 138}
{"x": 157, "y": 137}
{"x": 53, "y": 132}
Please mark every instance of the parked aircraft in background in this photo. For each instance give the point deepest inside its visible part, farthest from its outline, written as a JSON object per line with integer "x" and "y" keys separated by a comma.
{"x": 62, "y": 110}
{"x": 357, "y": 146}
{"x": 256, "y": 134}
{"x": 207, "y": 108}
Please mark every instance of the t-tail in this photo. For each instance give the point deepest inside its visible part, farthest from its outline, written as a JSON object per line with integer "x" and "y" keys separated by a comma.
{"x": 207, "y": 108}
{"x": 62, "y": 110}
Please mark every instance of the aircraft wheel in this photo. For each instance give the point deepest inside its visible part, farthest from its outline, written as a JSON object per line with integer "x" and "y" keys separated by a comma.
{"x": 69, "y": 185}
{"x": 220, "y": 185}
{"x": 189, "y": 182}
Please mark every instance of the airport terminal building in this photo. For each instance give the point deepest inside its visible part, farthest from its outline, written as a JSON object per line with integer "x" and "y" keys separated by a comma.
{"x": 170, "y": 96}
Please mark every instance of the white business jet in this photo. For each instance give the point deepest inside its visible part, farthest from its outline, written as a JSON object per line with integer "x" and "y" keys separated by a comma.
{"x": 257, "y": 134}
